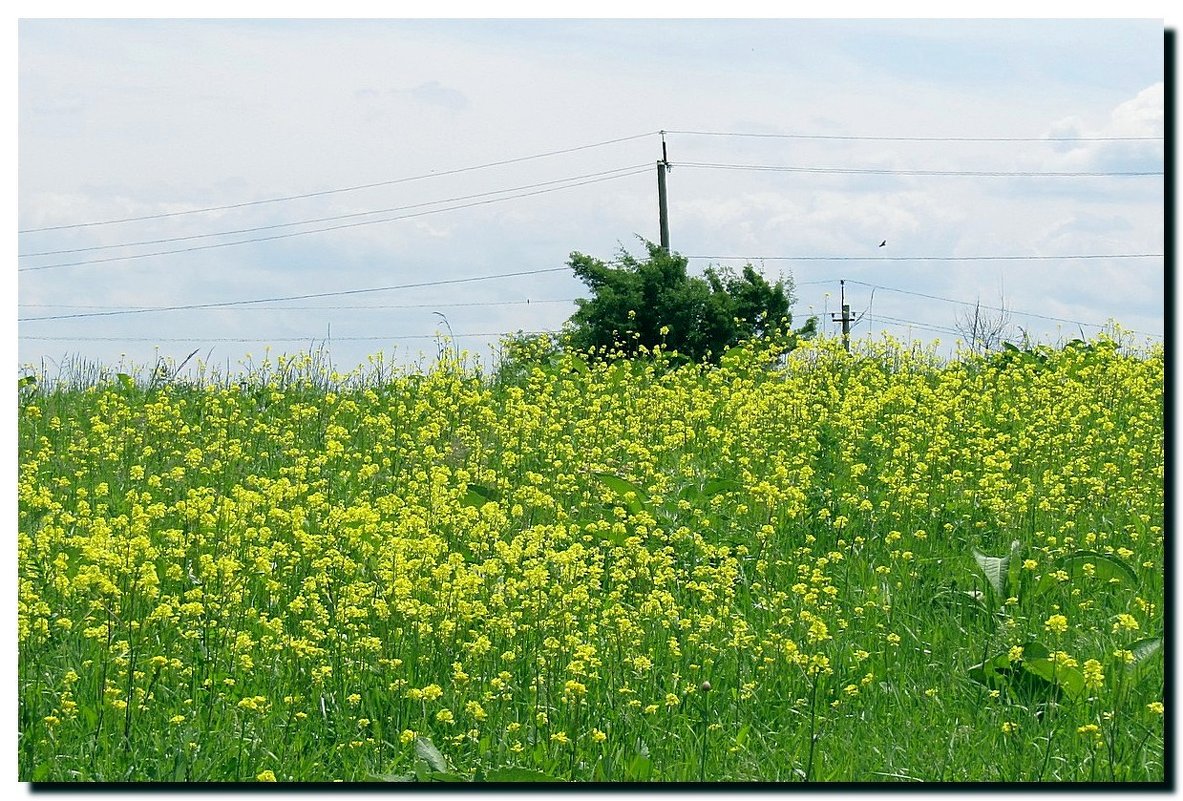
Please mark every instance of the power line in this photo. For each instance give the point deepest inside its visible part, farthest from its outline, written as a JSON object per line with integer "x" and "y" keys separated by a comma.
{"x": 329, "y": 228}
{"x": 633, "y": 167}
{"x": 434, "y": 174}
{"x": 885, "y": 171}
{"x": 277, "y": 339}
{"x": 940, "y": 329}
{"x": 926, "y": 138}
{"x": 1071, "y": 257}
{"x": 527, "y": 302}
{"x": 340, "y": 293}
{"x": 983, "y": 306}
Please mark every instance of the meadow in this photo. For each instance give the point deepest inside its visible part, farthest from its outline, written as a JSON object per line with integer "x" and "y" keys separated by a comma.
{"x": 883, "y": 566}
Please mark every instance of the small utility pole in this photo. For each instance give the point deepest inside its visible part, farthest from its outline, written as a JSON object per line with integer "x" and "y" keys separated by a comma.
{"x": 844, "y": 318}
{"x": 663, "y": 211}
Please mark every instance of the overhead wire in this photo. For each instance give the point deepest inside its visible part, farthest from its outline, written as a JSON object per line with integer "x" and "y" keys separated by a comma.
{"x": 888, "y": 171}
{"x": 922, "y": 138}
{"x": 307, "y": 296}
{"x": 984, "y": 306}
{"x": 283, "y": 339}
{"x": 381, "y": 307}
{"x": 631, "y": 169}
{"x": 1064, "y": 257}
{"x": 339, "y": 190}
{"x": 328, "y": 228}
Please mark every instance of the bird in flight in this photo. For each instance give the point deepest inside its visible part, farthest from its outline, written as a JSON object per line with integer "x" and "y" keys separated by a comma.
{"x": 884, "y": 242}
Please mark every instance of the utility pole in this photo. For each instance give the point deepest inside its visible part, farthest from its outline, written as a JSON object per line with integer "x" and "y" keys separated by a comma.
{"x": 663, "y": 211}
{"x": 844, "y": 318}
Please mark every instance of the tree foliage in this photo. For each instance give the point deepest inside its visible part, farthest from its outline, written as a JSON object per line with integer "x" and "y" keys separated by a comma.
{"x": 651, "y": 302}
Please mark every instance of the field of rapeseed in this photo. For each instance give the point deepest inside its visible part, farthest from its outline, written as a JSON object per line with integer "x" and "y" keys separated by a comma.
{"x": 873, "y": 567}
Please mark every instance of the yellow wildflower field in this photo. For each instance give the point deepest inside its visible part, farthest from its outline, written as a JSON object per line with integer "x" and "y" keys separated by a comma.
{"x": 823, "y": 567}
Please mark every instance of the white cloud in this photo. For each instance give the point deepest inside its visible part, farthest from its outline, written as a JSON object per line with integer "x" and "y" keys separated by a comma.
{"x": 123, "y": 118}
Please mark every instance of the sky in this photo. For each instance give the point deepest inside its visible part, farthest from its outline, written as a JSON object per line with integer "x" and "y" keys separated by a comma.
{"x": 439, "y": 151}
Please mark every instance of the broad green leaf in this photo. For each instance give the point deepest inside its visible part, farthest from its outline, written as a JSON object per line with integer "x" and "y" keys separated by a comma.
{"x": 478, "y": 496}
{"x": 442, "y": 776}
{"x": 993, "y": 672}
{"x": 733, "y": 356}
{"x": 636, "y": 503}
{"x": 26, "y": 381}
{"x": 717, "y": 486}
{"x": 1106, "y": 568}
{"x": 514, "y": 774}
{"x": 639, "y": 769}
{"x": 1013, "y": 577}
{"x": 577, "y": 364}
{"x": 1035, "y": 650}
{"x": 426, "y": 750}
{"x": 1068, "y": 679}
{"x": 994, "y": 568}
{"x": 125, "y": 381}
{"x": 1144, "y": 652}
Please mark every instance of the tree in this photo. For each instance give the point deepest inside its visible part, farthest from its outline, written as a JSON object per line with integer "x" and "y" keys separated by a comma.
{"x": 655, "y": 302}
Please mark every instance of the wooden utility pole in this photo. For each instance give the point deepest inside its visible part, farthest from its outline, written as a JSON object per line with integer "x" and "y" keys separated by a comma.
{"x": 662, "y": 210}
{"x": 844, "y": 318}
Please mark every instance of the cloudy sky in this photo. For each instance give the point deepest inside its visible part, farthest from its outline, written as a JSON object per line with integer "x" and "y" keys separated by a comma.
{"x": 225, "y": 185}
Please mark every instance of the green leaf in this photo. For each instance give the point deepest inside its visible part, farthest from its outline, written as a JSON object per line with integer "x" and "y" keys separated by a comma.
{"x": 1144, "y": 651}
{"x": 442, "y": 776}
{"x": 1000, "y": 571}
{"x": 994, "y": 568}
{"x": 426, "y": 750}
{"x": 994, "y": 672}
{"x": 718, "y": 486}
{"x": 741, "y": 736}
{"x": 639, "y": 500}
{"x": 514, "y": 774}
{"x": 26, "y": 381}
{"x": 1106, "y": 569}
{"x": 125, "y": 381}
{"x": 478, "y": 495}
{"x": 639, "y": 769}
{"x": 1068, "y": 679}
{"x": 1036, "y": 650}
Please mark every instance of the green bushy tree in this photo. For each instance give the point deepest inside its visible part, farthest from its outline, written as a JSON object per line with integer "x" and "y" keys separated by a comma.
{"x": 654, "y": 302}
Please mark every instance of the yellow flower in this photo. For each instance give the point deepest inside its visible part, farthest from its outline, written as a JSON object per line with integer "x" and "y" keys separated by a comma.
{"x": 1125, "y": 622}
{"x": 1057, "y": 624}
{"x": 266, "y": 776}
{"x": 1094, "y": 677}
{"x": 407, "y": 737}
{"x": 1156, "y": 707}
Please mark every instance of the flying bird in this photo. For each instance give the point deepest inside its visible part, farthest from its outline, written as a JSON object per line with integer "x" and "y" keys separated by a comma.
{"x": 884, "y": 242}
